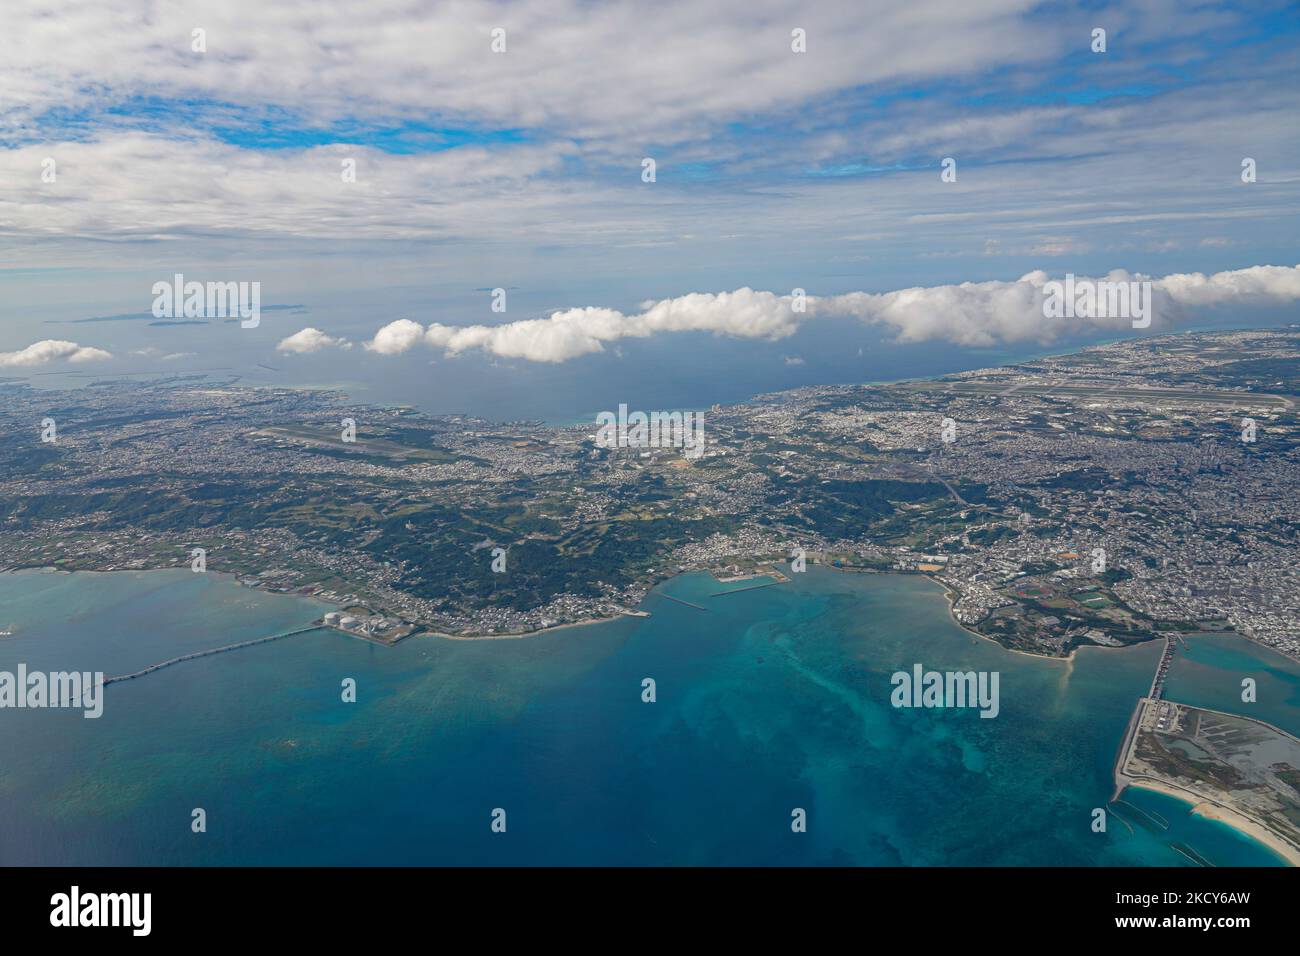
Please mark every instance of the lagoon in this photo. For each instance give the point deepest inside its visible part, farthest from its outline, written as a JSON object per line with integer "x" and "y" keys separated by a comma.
{"x": 765, "y": 702}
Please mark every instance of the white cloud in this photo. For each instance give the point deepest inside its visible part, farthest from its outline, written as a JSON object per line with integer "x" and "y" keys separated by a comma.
{"x": 328, "y": 69}
{"x": 570, "y": 333}
{"x": 137, "y": 185}
{"x": 311, "y": 340}
{"x": 971, "y": 313}
{"x": 606, "y": 69}
{"x": 989, "y": 313}
{"x": 746, "y": 135}
{"x": 151, "y": 352}
{"x": 53, "y": 350}
{"x": 1258, "y": 283}
{"x": 396, "y": 337}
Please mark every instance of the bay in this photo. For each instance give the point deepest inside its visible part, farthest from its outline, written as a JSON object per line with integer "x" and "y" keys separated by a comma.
{"x": 769, "y": 700}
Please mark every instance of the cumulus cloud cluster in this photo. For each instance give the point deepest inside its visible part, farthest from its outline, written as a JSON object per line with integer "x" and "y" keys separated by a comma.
{"x": 970, "y": 313}
{"x": 311, "y": 340}
{"x": 567, "y": 334}
{"x": 52, "y": 350}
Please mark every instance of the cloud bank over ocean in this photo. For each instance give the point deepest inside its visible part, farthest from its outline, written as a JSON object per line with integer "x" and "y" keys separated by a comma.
{"x": 969, "y": 313}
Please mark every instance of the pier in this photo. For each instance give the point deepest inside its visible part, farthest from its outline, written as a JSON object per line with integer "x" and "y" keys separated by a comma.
{"x": 208, "y": 653}
{"x": 752, "y": 587}
{"x": 680, "y": 601}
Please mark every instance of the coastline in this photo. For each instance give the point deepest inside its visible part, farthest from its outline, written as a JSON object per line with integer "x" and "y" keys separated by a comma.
{"x": 1212, "y": 810}
{"x": 421, "y": 632}
{"x": 1200, "y": 806}
{"x": 951, "y": 596}
{"x": 525, "y": 634}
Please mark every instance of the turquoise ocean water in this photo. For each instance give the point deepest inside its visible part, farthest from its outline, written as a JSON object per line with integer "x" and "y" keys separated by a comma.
{"x": 767, "y": 700}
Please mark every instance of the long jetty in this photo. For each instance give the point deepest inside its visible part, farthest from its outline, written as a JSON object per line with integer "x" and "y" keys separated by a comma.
{"x": 208, "y": 653}
{"x": 664, "y": 594}
{"x": 751, "y": 587}
{"x": 1130, "y": 737}
{"x": 1156, "y": 692}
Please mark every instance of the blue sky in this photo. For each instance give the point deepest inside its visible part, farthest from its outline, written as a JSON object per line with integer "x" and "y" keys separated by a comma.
{"x": 522, "y": 169}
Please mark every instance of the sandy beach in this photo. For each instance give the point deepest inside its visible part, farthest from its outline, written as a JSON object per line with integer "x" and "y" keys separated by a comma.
{"x": 1215, "y": 811}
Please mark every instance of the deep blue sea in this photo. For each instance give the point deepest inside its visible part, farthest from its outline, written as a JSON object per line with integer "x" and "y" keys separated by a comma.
{"x": 767, "y": 700}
